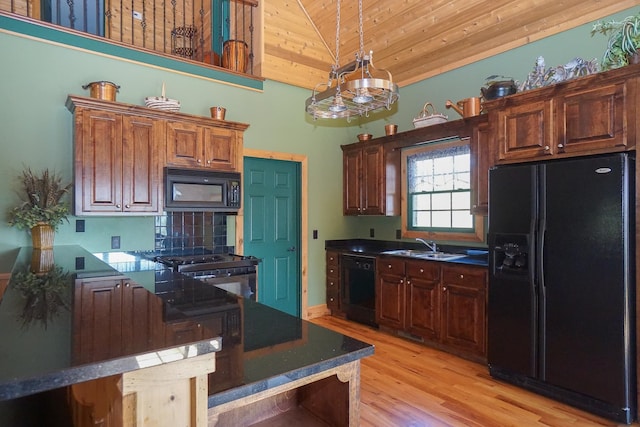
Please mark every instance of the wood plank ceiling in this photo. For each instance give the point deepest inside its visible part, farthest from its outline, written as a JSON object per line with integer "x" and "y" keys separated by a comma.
{"x": 413, "y": 39}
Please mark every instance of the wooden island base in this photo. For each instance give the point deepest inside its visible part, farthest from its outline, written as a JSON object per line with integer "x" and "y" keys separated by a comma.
{"x": 327, "y": 398}
{"x": 172, "y": 394}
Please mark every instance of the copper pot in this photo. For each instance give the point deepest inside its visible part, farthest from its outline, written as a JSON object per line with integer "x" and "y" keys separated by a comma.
{"x": 102, "y": 90}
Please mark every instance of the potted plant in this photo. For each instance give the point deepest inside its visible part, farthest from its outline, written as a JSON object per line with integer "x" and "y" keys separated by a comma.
{"x": 42, "y": 209}
{"x": 624, "y": 39}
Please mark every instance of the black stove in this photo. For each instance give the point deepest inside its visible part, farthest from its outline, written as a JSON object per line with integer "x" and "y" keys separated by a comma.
{"x": 200, "y": 262}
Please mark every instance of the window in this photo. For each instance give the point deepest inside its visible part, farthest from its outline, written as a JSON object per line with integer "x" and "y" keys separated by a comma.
{"x": 437, "y": 188}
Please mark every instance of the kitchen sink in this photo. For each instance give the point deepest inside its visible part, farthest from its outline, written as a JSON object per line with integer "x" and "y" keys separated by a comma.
{"x": 414, "y": 253}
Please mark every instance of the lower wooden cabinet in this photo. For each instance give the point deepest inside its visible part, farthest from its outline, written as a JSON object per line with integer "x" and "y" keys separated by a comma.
{"x": 440, "y": 303}
{"x": 333, "y": 282}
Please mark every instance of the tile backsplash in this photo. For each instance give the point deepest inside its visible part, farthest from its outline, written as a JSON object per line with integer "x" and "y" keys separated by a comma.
{"x": 192, "y": 230}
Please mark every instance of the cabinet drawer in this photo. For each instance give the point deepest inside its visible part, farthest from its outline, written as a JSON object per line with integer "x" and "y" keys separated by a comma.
{"x": 465, "y": 276}
{"x": 391, "y": 265}
{"x": 333, "y": 271}
{"x": 423, "y": 269}
{"x": 333, "y": 260}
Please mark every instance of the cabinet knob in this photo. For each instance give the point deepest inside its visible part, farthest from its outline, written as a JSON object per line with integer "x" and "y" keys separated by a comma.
{"x": 389, "y": 266}
{"x": 408, "y": 282}
{"x": 560, "y": 146}
{"x": 331, "y": 271}
{"x": 118, "y": 206}
{"x": 331, "y": 299}
{"x": 127, "y": 285}
{"x": 208, "y": 162}
{"x": 127, "y": 206}
{"x": 118, "y": 286}
{"x": 547, "y": 148}
{"x": 462, "y": 276}
{"x": 422, "y": 270}
{"x": 330, "y": 283}
{"x": 199, "y": 160}
{"x": 444, "y": 288}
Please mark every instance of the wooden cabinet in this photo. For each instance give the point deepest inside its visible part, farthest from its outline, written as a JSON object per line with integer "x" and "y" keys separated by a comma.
{"x": 443, "y": 304}
{"x": 117, "y": 163}
{"x": 482, "y": 159}
{"x": 199, "y": 145}
{"x": 423, "y": 316}
{"x": 390, "y": 292}
{"x": 371, "y": 180}
{"x": 464, "y": 308}
{"x": 589, "y": 115}
{"x": 333, "y": 282}
{"x": 121, "y": 150}
{"x": 104, "y": 310}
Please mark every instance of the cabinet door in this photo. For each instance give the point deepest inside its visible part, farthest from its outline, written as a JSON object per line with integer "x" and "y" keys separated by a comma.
{"x": 98, "y": 162}
{"x": 423, "y": 299}
{"x": 352, "y": 175}
{"x": 141, "y": 164}
{"x": 526, "y": 131}
{"x": 220, "y": 148}
{"x": 97, "y": 320}
{"x": 390, "y": 292}
{"x": 482, "y": 159}
{"x": 184, "y": 144}
{"x": 593, "y": 120}
{"x": 464, "y": 309}
{"x": 373, "y": 196}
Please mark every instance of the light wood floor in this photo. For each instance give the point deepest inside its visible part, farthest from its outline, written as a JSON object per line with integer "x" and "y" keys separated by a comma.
{"x": 409, "y": 384}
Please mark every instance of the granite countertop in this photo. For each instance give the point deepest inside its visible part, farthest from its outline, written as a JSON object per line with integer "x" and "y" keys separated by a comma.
{"x": 368, "y": 247}
{"x": 36, "y": 356}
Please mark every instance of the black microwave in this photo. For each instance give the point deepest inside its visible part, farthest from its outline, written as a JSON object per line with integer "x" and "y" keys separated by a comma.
{"x": 201, "y": 190}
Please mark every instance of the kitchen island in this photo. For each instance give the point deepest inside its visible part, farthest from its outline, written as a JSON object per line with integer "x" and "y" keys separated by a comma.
{"x": 118, "y": 313}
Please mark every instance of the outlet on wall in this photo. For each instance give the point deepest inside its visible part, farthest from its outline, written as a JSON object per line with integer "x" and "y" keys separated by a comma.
{"x": 372, "y": 232}
{"x": 115, "y": 242}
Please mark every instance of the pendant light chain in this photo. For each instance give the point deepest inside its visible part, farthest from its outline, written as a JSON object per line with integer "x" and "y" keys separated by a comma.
{"x": 360, "y": 29}
{"x": 337, "y": 65}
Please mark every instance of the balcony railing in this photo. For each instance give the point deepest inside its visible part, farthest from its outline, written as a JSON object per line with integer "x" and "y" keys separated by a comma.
{"x": 216, "y": 32}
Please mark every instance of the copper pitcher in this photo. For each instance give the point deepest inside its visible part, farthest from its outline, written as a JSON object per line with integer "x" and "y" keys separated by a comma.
{"x": 468, "y": 107}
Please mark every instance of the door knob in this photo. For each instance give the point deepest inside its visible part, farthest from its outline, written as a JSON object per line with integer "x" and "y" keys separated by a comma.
{"x": 291, "y": 249}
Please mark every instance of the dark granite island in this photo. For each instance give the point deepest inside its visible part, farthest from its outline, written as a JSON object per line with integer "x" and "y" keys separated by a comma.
{"x": 120, "y": 315}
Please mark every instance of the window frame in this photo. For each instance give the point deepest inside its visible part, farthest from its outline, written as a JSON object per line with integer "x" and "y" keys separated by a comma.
{"x": 478, "y": 220}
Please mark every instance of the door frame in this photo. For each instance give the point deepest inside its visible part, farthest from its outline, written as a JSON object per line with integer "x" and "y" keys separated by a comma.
{"x": 304, "y": 236}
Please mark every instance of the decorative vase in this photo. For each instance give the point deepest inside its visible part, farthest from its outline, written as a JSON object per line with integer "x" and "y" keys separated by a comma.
{"x": 42, "y": 236}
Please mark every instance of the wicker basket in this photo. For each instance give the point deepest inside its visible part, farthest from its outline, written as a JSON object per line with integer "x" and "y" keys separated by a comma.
{"x": 42, "y": 236}
{"x": 428, "y": 116}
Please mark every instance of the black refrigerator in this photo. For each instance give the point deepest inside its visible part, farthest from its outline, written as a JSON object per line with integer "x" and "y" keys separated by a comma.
{"x": 561, "y": 303}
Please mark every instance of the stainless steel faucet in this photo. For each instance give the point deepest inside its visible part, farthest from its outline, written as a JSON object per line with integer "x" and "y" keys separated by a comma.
{"x": 430, "y": 244}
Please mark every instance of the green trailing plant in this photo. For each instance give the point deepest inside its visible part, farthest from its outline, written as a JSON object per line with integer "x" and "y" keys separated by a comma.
{"x": 624, "y": 39}
{"x": 42, "y": 200}
{"x": 44, "y": 294}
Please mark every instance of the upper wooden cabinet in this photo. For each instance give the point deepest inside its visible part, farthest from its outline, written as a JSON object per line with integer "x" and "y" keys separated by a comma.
{"x": 121, "y": 149}
{"x": 371, "y": 180}
{"x": 198, "y": 145}
{"x": 117, "y": 166}
{"x": 590, "y": 115}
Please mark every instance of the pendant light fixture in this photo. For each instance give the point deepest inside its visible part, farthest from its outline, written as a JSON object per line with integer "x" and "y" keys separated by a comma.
{"x": 355, "y": 89}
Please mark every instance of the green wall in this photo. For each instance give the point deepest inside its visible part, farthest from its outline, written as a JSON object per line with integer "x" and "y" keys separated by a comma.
{"x": 36, "y": 127}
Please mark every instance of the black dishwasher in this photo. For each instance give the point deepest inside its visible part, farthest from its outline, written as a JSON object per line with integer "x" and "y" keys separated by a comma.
{"x": 358, "y": 296}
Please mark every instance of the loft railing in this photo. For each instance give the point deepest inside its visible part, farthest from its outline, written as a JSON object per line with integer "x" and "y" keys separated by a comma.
{"x": 216, "y": 32}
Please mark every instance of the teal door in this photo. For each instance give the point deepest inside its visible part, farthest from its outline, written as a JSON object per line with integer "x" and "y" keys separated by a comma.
{"x": 272, "y": 229}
